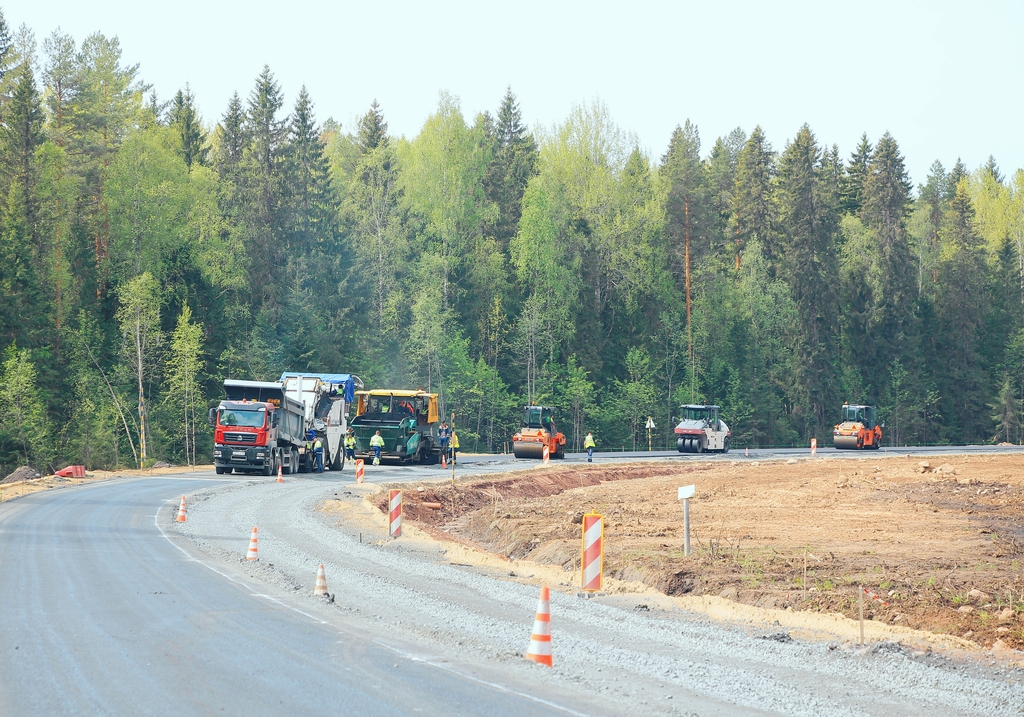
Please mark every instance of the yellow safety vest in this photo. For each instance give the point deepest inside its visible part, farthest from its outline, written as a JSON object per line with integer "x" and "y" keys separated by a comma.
{"x": 589, "y": 442}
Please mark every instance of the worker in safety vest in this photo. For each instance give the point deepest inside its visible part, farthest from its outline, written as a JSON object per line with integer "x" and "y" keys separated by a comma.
{"x": 318, "y": 451}
{"x": 444, "y": 435}
{"x": 350, "y": 445}
{"x": 455, "y": 446}
{"x": 376, "y": 443}
{"x": 589, "y": 444}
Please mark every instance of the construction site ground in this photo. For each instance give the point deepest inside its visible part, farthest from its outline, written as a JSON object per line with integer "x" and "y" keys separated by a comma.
{"x": 941, "y": 541}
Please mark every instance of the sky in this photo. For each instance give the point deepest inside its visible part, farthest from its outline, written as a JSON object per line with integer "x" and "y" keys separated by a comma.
{"x": 944, "y": 78}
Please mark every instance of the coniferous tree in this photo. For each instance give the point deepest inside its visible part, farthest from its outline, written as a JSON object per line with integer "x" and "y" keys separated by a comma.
{"x": 892, "y": 330}
{"x": 753, "y": 195}
{"x": 261, "y": 176}
{"x": 21, "y": 252}
{"x": 373, "y": 130}
{"x": 961, "y": 305}
{"x": 808, "y": 217}
{"x": 185, "y": 121}
{"x": 234, "y": 139}
{"x": 685, "y": 210}
{"x": 856, "y": 173}
{"x": 513, "y": 162}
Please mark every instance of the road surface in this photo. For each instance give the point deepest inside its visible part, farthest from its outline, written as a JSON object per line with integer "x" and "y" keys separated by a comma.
{"x": 108, "y": 607}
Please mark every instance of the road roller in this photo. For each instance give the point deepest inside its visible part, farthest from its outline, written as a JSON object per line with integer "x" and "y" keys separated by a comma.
{"x": 538, "y": 430}
{"x": 702, "y": 430}
{"x": 859, "y": 429}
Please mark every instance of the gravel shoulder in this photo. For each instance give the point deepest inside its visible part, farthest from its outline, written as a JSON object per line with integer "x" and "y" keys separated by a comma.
{"x": 628, "y": 653}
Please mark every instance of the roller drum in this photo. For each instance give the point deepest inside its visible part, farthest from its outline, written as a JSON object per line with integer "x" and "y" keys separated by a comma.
{"x": 845, "y": 442}
{"x": 521, "y": 449}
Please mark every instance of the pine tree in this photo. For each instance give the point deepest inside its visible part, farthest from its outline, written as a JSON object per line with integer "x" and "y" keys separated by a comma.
{"x": 21, "y": 252}
{"x": 234, "y": 139}
{"x": 262, "y": 179}
{"x": 685, "y": 210}
{"x": 185, "y": 121}
{"x": 513, "y": 162}
{"x": 752, "y": 213}
{"x": 808, "y": 220}
{"x": 893, "y": 327}
{"x": 992, "y": 168}
{"x": 373, "y": 130}
{"x": 856, "y": 173}
{"x": 961, "y": 303}
{"x": 7, "y": 51}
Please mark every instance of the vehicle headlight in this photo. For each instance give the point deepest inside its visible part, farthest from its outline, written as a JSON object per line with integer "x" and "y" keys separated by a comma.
{"x": 217, "y": 454}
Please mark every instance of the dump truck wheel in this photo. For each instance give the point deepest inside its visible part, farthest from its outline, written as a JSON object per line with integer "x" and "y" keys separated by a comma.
{"x": 221, "y": 471}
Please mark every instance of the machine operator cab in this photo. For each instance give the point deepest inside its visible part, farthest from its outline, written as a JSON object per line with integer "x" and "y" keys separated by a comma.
{"x": 539, "y": 417}
{"x": 868, "y": 415}
{"x": 700, "y": 429}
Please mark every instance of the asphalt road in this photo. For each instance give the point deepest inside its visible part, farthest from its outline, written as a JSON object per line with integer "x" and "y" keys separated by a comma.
{"x": 106, "y": 608}
{"x": 102, "y": 614}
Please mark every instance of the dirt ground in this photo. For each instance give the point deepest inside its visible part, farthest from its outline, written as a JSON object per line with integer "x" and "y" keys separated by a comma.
{"x": 942, "y": 544}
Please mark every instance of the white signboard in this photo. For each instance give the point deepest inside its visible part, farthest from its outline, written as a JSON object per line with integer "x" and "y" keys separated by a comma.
{"x": 687, "y": 491}
{"x": 650, "y": 423}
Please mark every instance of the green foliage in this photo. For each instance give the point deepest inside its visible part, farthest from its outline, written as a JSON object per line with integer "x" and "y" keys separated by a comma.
{"x": 495, "y": 264}
{"x": 24, "y": 430}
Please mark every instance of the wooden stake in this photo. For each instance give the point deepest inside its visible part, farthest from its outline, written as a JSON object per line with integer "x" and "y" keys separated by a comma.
{"x": 860, "y": 601}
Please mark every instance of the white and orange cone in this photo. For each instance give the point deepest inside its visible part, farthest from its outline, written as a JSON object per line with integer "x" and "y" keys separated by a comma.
{"x": 280, "y": 474}
{"x": 181, "y": 511}
{"x": 254, "y": 553}
{"x": 540, "y": 640}
{"x": 321, "y": 581}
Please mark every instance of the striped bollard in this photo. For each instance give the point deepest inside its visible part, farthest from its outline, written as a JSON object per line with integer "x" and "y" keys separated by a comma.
{"x": 359, "y": 470}
{"x": 395, "y": 513}
{"x": 814, "y": 446}
{"x": 593, "y": 552}
{"x": 547, "y": 455}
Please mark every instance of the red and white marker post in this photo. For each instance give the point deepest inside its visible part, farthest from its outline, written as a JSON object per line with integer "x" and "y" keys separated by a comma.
{"x": 394, "y": 513}
{"x": 547, "y": 455}
{"x": 360, "y": 466}
{"x": 814, "y": 446}
{"x": 593, "y": 552}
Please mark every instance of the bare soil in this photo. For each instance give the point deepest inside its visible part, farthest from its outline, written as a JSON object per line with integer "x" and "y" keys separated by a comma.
{"x": 942, "y": 545}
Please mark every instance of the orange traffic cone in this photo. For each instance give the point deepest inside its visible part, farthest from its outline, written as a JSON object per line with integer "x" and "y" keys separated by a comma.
{"x": 540, "y": 640}
{"x": 280, "y": 475}
{"x": 321, "y": 581}
{"x": 444, "y": 461}
{"x": 181, "y": 511}
{"x": 254, "y": 553}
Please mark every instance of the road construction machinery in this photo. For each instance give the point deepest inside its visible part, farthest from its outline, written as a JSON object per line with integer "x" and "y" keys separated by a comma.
{"x": 702, "y": 430}
{"x": 859, "y": 429}
{"x": 265, "y": 425}
{"x": 538, "y": 430}
{"x": 407, "y": 421}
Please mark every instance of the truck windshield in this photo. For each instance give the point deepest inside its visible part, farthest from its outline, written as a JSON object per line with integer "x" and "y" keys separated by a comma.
{"x": 236, "y": 417}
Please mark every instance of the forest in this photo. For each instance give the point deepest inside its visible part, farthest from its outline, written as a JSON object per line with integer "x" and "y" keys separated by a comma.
{"x": 147, "y": 253}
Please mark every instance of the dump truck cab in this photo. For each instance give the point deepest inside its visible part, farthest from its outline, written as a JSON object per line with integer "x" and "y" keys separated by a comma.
{"x": 859, "y": 428}
{"x": 702, "y": 430}
{"x": 537, "y": 431}
{"x": 407, "y": 421}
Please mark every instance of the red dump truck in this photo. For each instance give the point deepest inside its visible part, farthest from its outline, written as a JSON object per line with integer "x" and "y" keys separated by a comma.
{"x": 263, "y": 425}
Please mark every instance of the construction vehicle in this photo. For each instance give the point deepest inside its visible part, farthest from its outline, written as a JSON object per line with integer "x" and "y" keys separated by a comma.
{"x": 265, "y": 425}
{"x": 702, "y": 430}
{"x": 538, "y": 430}
{"x": 407, "y": 421}
{"x": 859, "y": 429}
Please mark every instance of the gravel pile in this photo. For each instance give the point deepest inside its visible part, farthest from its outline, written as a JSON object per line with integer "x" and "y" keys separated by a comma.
{"x": 637, "y": 661}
